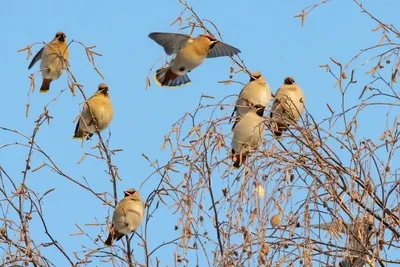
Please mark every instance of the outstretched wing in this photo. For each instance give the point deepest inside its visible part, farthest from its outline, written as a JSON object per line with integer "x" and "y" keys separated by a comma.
{"x": 171, "y": 42}
{"x": 220, "y": 49}
{"x": 36, "y": 58}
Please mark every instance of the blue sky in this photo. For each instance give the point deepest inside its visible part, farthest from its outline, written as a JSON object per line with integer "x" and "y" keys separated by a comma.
{"x": 270, "y": 39}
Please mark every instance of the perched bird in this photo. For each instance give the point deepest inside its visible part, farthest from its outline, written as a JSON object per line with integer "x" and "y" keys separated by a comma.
{"x": 99, "y": 105}
{"x": 189, "y": 53}
{"x": 359, "y": 232}
{"x": 127, "y": 217}
{"x": 248, "y": 134}
{"x": 288, "y": 106}
{"x": 256, "y": 92}
{"x": 54, "y": 57}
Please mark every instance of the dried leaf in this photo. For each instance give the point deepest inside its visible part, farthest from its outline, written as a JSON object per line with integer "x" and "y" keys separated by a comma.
{"x": 148, "y": 83}
{"x": 276, "y": 220}
{"x": 226, "y": 82}
{"x": 377, "y": 28}
{"x": 260, "y": 191}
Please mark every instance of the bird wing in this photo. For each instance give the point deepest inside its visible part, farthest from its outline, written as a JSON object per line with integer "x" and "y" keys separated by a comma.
{"x": 36, "y": 58}
{"x": 171, "y": 42}
{"x": 220, "y": 49}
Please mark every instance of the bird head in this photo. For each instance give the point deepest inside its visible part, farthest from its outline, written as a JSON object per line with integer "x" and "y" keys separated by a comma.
{"x": 255, "y": 76}
{"x": 60, "y": 36}
{"x": 103, "y": 89}
{"x": 132, "y": 193}
{"x": 289, "y": 80}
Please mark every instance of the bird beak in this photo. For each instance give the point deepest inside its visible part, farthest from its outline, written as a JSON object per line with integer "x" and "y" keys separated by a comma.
{"x": 105, "y": 91}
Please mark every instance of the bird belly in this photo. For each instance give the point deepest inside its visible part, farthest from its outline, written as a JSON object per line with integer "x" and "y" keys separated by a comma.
{"x": 122, "y": 227}
{"x": 52, "y": 67}
{"x": 183, "y": 63}
{"x": 247, "y": 137}
{"x": 134, "y": 221}
{"x": 252, "y": 97}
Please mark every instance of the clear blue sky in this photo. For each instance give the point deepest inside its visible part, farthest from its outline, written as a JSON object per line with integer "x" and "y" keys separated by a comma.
{"x": 270, "y": 39}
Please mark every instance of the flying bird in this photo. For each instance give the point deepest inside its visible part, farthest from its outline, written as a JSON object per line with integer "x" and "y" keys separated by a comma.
{"x": 359, "y": 232}
{"x": 99, "y": 105}
{"x": 248, "y": 134}
{"x": 255, "y": 93}
{"x": 189, "y": 53}
{"x": 54, "y": 60}
{"x": 127, "y": 216}
{"x": 288, "y": 106}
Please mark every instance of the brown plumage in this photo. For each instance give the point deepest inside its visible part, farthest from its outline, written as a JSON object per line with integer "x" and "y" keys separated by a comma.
{"x": 54, "y": 58}
{"x": 189, "y": 53}
{"x": 99, "y": 105}
{"x": 248, "y": 135}
{"x": 288, "y": 106}
{"x": 127, "y": 216}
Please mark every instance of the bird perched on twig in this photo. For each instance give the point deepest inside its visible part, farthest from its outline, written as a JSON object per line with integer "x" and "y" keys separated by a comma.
{"x": 54, "y": 60}
{"x": 127, "y": 216}
{"x": 288, "y": 106}
{"x": 97, "y": 110}
{"x": 255, "y": 93}
{"x": 248, "y": 134}
{"x": 189, "y": 53}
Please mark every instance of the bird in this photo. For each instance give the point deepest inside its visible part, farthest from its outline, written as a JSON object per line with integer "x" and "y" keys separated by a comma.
{"x": 248, "y": 134}
{"x": 288, "y": 106}
{"x": 256, "y": 92}
{"x": 127, "y": 216}
{"x": 188, "y": 53}
{"x": 359, "y": 232}
{"x": 54, "y": 60}
{"x": 100, "y": 106}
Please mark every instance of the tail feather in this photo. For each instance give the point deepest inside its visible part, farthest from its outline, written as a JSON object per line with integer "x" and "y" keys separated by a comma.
{"x": 109, "y": 240}
{"x": 166, "y": 77}
{"x": 45, "y": 86}
{"x": 79, "y": 133}
{"x": 279, "y": 128}
{"x": 238, "y": 158}
{"x": 113, "y": 236}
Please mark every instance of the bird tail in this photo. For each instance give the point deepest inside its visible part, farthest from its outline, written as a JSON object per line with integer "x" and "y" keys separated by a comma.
{"x": 238, "y": 159}
{"x": 109, "y": 240}
{"x": 45, "y": 86}
{"x": 278, "y": 129}
{"x": 113, "y": 236}
{"x": 79, "y": 133}
{"x": 166, "y": 77}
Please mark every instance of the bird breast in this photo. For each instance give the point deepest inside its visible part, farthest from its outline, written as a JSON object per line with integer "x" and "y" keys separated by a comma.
{"x": 291, "y": 102}
{"x": 128, "y": 216}
{"x": 102, "y": 111}
{"x": 188, "y": 58}
{"x": 256, "y": 94}
{"x": 52, "y": 63}
{"x": 249, "y": 131}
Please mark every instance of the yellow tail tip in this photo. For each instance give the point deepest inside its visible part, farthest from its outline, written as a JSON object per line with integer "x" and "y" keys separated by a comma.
{"x": 77, "y": 137}
{"x": 44, "y": 91}
{"x": 168, "y": 86}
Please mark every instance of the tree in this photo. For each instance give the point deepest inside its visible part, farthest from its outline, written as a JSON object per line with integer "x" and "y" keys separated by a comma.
{"x": 286, "y": 206}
